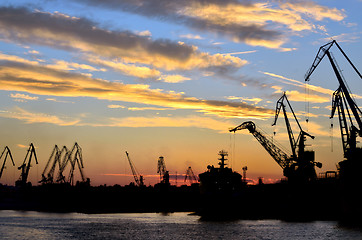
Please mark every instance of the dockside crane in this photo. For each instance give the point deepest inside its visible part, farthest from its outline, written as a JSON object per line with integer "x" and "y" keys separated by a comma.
{"x": 76, "y": 160}
{"x": 303, "y": 167}
{"x": 161, "y": 169}
{"x": 63, "y": 164}
{"x": 47, "y": 176}
{"x": 25, "y": 167}
{"x": 7, "y": 153}
{"x": 137, "y": 177}
{"x": 191, "y": 176}
{"x": 348, "y": 113}
{"x": 269, "y": 145}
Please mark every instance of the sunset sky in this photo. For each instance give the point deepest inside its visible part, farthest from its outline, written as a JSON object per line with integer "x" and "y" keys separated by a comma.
{"x": 169, "y": 78}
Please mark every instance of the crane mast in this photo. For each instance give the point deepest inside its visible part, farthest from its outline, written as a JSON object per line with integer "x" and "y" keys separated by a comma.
{"x": 138, "y": 180}
{"x": 7, "y": 153}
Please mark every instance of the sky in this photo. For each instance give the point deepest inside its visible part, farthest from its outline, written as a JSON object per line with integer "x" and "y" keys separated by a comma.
{"x": 169, "y": 78}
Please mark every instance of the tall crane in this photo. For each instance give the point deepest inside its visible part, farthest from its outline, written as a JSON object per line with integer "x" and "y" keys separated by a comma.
{"x": 63, "y": 164}
{"x": 47, "y": 176}
{"x": 190, "y": 175}
{"x": 138, "y": 180}
{"x": 7, "y": 153}
{"x": 76, "y": 160}
{"x": 161, "y": 169}
{"x": 276, "y": 152}
{"x": 302, "y": 168}
{"x": 25, "y": 167}
{"x": 347, "y": 109}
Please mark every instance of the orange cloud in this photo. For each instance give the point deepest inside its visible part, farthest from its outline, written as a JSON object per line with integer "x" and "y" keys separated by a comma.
{"x": 46, "y": 81}
{"x": 28, "y": 117}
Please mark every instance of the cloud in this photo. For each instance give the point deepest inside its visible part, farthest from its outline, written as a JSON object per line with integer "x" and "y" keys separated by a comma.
{"x": 63, "y": 65}
{"x": 316, "y": 93}
{"x": 191, "y": 36}
{"x": 115, "y": 106}
{"x": 173, "y": 78}
{"x": 29, "y": 117}
{"x": 80, "y": 34}
{"x": 41, "y": 80}
{"x": 23, "y": 96}
{"x": 188, "y": 121}
{"x": 148, "y": 108}
{"x": 254, "y": 23}
{"x": 14, "y": 58}
{"x": 253, "y": 100}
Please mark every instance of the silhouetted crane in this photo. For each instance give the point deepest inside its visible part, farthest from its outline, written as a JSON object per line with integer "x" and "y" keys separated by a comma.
{"x": 47, "y": 176}
{"x": 138, "y": 180}
{"x": 7, "y": 153}
{"x": 347, "y": 110}
{"x": 190, "y": 175}
{"x": 269, "y": 145}
{"x": 302, "y": 169}
{"x": 161, "y": 169}
{"x": 25, "y": 167}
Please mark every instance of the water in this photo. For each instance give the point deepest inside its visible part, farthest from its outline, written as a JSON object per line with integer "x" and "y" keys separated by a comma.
{"x": 34, "y": 225}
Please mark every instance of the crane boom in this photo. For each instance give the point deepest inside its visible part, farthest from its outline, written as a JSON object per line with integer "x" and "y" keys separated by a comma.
{"x": 138, "y": 180}
{"x": 277, "y": 154}
{"x": 7, "y": 153}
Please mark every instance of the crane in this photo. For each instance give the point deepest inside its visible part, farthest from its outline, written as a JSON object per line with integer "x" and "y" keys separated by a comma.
{"x": 62, "y": 164}
{"x": 302, "y": 168}
{"x": 138, "y": 180}
{"x": 7, "y": 153}
{"x": 25, "y": 167}
{"x": 77, "y": 159}
{"x": 47, "y": 177}
{"x": 276, "y": 152}
{"x": 161, "y": 169}
{"x": 190, "y": 174}
{"x": 342, "y": 101}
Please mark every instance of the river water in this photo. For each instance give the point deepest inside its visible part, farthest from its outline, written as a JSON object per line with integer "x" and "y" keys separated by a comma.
{"x": 36, "y": 225}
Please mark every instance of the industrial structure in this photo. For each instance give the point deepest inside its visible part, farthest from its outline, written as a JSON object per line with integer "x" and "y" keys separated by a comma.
{"x": 137, "y": 177}
{"x": 161, "y": 169}
{"x": 190, "y": 176}
{"x": 7, "y": 153}
{"x": 25, "y": 167}
{"x": 302, "y": 165}
{"x": 349, "y": 114}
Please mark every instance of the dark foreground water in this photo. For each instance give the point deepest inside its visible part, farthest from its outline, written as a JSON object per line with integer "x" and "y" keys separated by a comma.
{"x": 36, "y": 226}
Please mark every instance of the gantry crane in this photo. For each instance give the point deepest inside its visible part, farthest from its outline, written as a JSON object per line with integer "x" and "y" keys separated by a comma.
{"x": 25, "y": 167}
{"x": 190, "y": 175}
{"x": 161, "y": 169}
{"x": 347, "y": 109}
{"x": 138, "y": 180}
{"x": 303, "y": 166}
{"x": 7, "y": 153}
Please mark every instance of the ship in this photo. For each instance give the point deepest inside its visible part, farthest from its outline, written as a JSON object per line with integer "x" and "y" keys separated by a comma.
{"x": 221, "y": 189}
